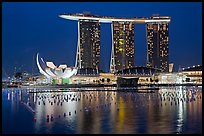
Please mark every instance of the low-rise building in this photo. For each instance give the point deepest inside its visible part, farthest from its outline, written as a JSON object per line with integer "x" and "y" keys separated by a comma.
{"x": 193, "y": 74}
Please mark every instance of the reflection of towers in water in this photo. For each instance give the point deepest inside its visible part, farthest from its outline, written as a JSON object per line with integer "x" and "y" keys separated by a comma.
{"x": 90, "y": 101}
{"x": 156, "y": 113}
{"x": 122, "y": 55}
{"x": 88, "y": 49}
{"x": 157, "y": 45}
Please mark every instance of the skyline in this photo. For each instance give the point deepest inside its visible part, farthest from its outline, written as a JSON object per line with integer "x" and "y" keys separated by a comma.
{"x": 38, "y": 28}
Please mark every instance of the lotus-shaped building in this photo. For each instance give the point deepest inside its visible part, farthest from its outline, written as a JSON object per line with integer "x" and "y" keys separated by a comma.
{"x": 51, "y": 71}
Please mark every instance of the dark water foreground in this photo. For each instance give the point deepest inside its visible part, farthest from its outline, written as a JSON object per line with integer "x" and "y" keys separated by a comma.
{"x": 167, "y": 111}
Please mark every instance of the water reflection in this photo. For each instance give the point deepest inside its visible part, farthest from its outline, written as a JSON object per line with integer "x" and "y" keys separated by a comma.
{"x": 168, "y": 110}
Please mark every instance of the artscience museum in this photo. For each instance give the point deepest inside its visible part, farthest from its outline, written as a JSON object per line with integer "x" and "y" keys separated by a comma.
{"x": 52, "y": 72}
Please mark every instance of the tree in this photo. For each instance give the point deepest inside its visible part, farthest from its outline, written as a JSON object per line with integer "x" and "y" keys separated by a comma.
{"x": 18, "y": 75}
{"x": 156, "y": 80}
{"x": 108, "y": 80}
{"x": 102, "y": 80}
{"x": 187, "y": 79}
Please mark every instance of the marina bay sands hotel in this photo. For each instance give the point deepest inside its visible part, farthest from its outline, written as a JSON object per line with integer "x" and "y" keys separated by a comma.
{"x": 122, "y": 29}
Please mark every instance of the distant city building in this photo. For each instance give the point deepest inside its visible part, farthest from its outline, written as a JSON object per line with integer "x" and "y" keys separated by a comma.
{"x": 157, "y": 44}
{"x": 88, "y": 50}
{"x": 171, "y": 65}
{"x": 122, "y": 55}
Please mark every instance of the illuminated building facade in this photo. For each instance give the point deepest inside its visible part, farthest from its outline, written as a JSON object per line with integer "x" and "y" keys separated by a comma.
{"x": 171, "y": 65}
{"x": 194, "y": 74}
{"x": 157, "y": 44}
{"x": 88, "y": 50}
{"x": 50, "y": 71}
{"x": 122, "y": 55}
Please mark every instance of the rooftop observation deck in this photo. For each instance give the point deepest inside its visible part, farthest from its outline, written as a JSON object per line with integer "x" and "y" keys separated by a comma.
{"x": 109, "y": 19}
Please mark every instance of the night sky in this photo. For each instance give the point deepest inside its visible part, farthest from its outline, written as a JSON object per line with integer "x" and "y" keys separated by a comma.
{"x": 34, "y": 27}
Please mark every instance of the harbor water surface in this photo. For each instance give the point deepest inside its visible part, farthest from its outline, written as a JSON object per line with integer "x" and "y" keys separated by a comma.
{"x": 169, "y": 110}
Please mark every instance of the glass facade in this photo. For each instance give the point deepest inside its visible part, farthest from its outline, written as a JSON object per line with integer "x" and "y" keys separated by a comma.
{"x": 122, "y": 54}
{"x": 123, "y": 46}
{"x": 157, "y": 45}
{"x": 89, "y": 44}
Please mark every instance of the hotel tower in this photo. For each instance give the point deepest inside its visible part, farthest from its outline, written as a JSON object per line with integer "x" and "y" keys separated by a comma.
{"x": 122, "y": 30}
{"x": 88, "y": 49}
{"x": 122, "y": 55}
{"x": 157, "y": 44}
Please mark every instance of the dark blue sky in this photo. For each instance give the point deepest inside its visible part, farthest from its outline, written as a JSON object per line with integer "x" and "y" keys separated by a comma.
{"x": 34, "y": 27}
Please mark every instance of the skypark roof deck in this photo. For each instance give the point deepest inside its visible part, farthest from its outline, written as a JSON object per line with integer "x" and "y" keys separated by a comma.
{"x": 106, "y": 19}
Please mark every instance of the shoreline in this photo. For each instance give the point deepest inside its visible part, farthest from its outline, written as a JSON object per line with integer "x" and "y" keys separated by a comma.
{"x": 104, "y": 85}
{"x": 150, "y": 88}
